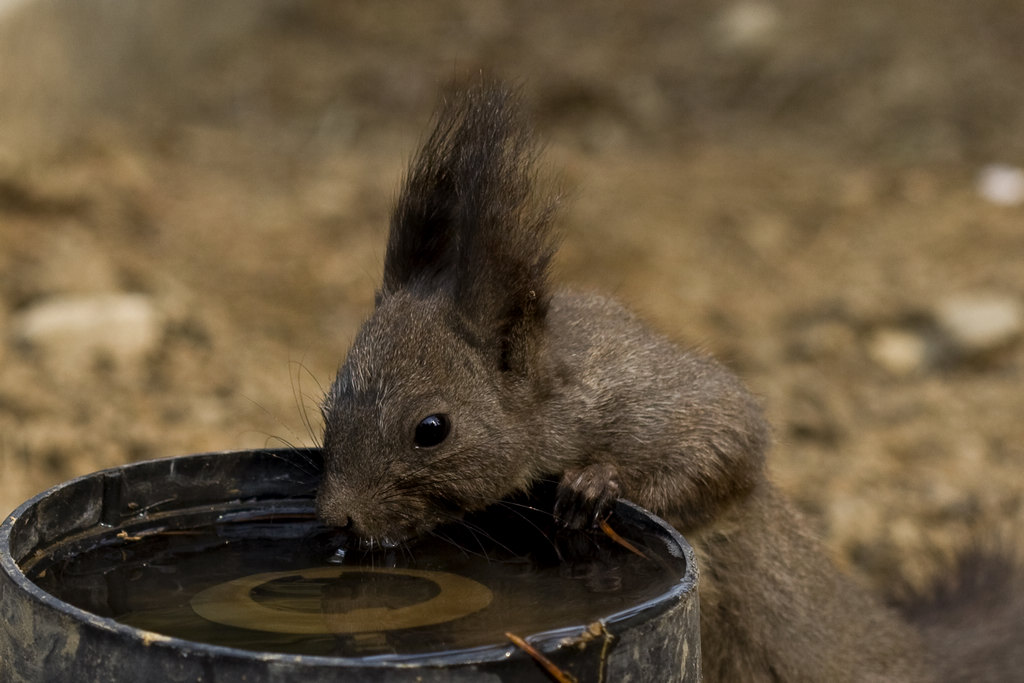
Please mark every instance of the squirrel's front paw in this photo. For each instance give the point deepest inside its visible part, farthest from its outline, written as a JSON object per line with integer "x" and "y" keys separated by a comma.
{"x": 585, "y": 495}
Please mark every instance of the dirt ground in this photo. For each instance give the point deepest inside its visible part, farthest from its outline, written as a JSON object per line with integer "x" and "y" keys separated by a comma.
{"x": 194, "y": 199}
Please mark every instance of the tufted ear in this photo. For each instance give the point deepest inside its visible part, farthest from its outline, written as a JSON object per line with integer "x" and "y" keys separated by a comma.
{"x": 469, "y": 222}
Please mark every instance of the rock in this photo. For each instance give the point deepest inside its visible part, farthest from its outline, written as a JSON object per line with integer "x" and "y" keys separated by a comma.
{"x": 749, "y": 25}
{"x": 1002, "y": 184}
{"x": 900, "y": 351}
{"x": 977, "y": 324}
{"x": 7, "y": 6}
{"x": 121, "y": 326}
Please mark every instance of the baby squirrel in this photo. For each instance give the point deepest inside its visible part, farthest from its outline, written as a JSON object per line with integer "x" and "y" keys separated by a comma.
{"x": 474, "y": 378}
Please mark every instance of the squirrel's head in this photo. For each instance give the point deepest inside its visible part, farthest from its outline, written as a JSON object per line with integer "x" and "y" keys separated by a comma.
{"x": 425, "y": 419}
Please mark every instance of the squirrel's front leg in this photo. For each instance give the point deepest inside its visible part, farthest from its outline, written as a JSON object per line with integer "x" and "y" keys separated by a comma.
{"x": 586, "y": 494}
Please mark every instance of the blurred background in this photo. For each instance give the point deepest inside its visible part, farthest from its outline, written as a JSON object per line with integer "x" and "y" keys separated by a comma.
{"x": 828, "y": 196}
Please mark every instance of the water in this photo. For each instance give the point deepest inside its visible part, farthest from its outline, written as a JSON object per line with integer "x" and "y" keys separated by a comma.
{"x": 280, "y": 584}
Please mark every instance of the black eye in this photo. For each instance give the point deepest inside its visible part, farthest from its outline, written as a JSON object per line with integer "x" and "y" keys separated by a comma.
{"x": 432, "y": 430}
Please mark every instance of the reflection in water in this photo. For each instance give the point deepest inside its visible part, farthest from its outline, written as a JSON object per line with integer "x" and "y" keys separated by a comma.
{"x": 341, "y": 600}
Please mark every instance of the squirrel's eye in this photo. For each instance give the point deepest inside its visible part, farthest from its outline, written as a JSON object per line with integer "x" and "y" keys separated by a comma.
{"x": 432, "y": 430}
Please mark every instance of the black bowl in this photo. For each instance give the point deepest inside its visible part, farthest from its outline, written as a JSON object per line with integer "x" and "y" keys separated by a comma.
{"x": 45, "y": 638}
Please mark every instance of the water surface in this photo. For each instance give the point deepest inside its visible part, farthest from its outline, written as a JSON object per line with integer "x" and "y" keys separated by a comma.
{"x": 271, "y": 583}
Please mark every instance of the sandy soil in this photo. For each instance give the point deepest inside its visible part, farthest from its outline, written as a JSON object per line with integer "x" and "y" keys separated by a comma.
{"x": 194, "y": 198}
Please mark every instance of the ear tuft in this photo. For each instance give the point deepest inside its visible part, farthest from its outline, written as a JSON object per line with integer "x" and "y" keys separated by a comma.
{"x": 471, "y": 223}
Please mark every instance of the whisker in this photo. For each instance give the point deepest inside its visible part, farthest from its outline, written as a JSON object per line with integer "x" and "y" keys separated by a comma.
{"x": 299, "y": 459}
{"x": 274, "y": 418}
{"x": 300, "y": 398}
{"x": 482, "y": 553}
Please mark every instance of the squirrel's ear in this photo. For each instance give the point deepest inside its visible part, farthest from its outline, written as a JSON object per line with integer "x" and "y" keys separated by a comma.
{"x": 470, "y": 222}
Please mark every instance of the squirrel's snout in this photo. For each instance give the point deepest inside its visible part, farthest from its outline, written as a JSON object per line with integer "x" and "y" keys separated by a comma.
{"x": 341, "y": 520}
{"x": 330, "y": 513}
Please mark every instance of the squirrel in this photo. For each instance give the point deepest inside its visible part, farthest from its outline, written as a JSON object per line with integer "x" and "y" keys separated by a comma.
{"x": 474, "y": 378}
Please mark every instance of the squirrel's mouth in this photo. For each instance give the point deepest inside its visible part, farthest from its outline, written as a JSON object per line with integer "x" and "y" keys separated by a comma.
{"x": 376, "y": 526}
{"x": 348, "y": 536}
{"x": 376, "y": 532}
{"x": 372, "y": 543}
{"x": 384, "y": 540}
{"x": 390, "y": 534}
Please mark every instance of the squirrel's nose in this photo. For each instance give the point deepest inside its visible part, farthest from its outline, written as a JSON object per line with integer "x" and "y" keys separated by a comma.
{"x": 331, "y": 514}
{"x": 336, "y": 519}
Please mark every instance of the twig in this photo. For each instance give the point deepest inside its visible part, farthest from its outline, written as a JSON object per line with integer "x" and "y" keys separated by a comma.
{"x": 556, "y": 674}
{"x": 612, "y": 534}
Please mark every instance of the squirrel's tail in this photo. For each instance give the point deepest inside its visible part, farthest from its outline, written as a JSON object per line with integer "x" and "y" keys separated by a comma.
{"x": 973, "y": 618}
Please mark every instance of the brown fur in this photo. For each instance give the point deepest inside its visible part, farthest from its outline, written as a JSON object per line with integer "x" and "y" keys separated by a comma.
{"x": 542, "y": 384}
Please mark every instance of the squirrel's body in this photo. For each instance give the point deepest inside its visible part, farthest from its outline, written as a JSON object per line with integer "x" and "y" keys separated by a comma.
{"x": 474, "y": 379}
{"x": 684, "y": 436}
{"x": 773, "y": 607}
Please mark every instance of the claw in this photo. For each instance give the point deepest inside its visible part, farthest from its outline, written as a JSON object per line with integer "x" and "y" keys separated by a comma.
{"x": 585, "y": 496}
